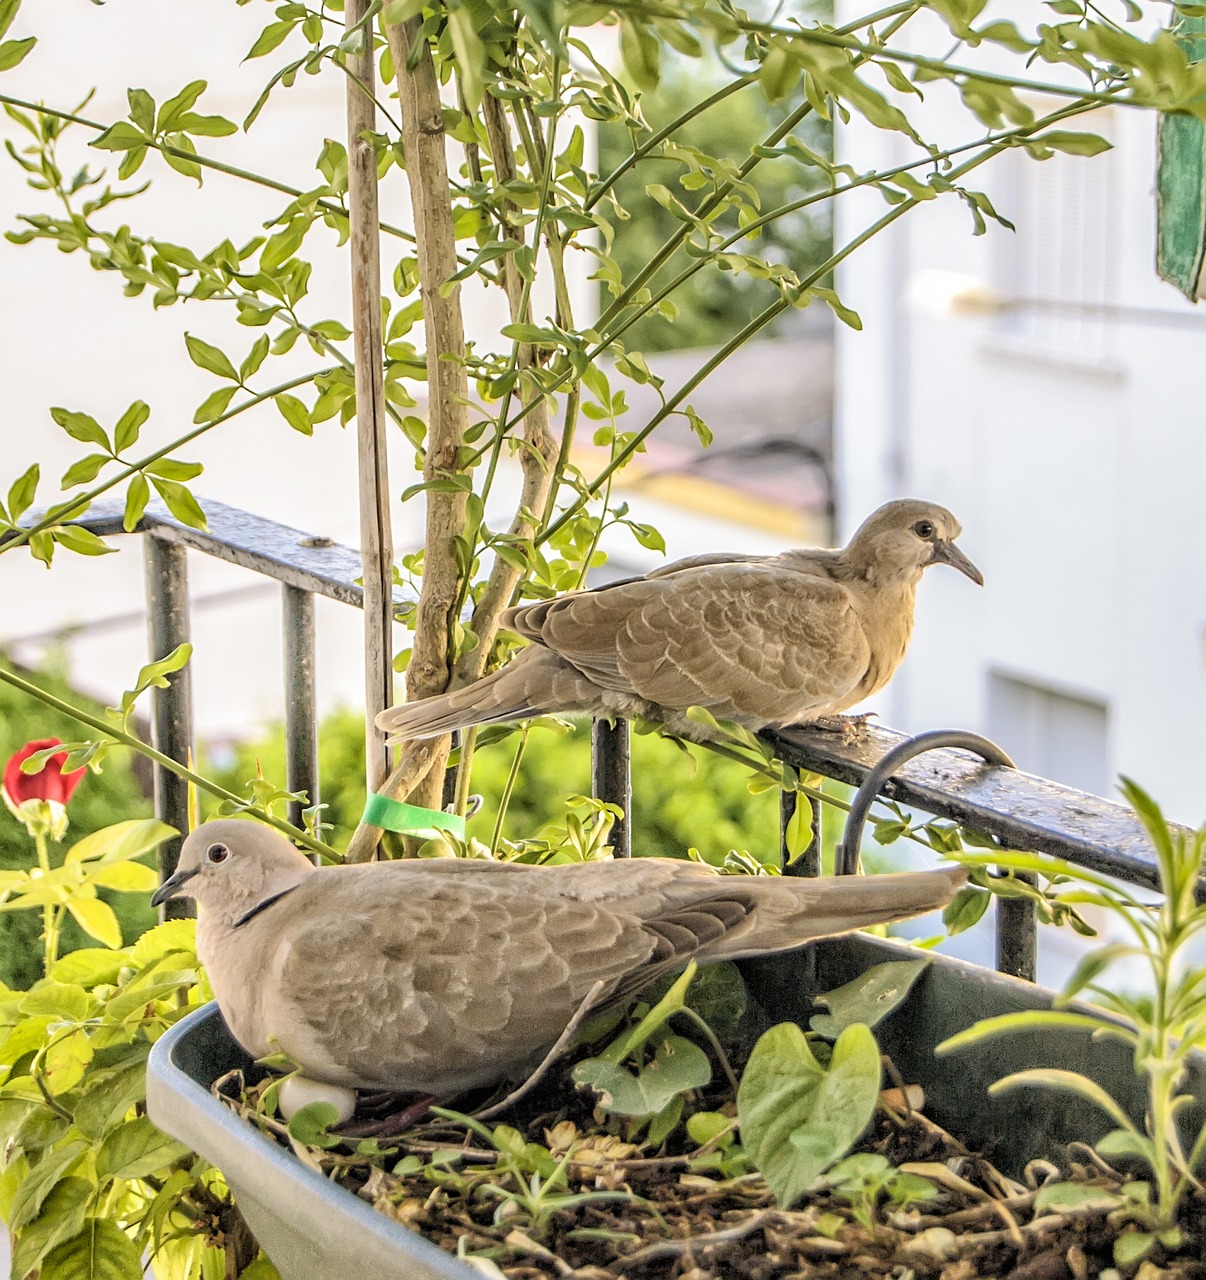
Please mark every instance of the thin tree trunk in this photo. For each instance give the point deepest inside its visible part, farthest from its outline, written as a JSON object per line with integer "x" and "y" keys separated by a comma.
{"x": 540, "y": 447}
{"x": 423, "y": 144}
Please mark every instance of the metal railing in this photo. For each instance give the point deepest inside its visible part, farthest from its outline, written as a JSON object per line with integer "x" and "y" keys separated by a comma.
{"x": 932, "y": 772}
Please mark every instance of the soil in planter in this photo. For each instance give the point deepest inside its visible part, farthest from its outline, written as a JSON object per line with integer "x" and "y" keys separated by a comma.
{"x": 700, "y": 1214}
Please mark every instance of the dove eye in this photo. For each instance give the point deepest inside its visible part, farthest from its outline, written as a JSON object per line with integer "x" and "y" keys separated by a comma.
{"x": 924, "y": 529}
{"x": 217, "y": 853}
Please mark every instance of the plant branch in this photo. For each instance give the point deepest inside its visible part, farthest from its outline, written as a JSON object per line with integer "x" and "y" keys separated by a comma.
{"x": 166, "y": 762}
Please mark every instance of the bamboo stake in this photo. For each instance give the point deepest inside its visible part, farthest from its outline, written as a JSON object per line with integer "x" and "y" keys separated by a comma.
{"x": 376, "y": 538}
{"x": 419, "y": 773}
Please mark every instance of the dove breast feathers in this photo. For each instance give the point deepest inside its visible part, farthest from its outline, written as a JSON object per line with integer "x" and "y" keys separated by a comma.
{"x": 448, "y": 974}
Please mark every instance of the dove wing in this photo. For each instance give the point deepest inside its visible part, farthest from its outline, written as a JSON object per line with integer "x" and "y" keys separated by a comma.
{"x": 754, "y": 639}
{"x": 458, "y": 980}
{"x": 462, "y": 978}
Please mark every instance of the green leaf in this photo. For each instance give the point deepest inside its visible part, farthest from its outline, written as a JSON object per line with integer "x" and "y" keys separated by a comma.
{"x": 174, "y": 108}
{"x": 137, "y": 496}
{"x": 120, "y": 137}
{"x": 1125, "y": 1142}
{"x": 108, "y": 1103}
{"x": 174, "y": 469}
{"x": 1029, "y": 1020}
{"x": 180, "y": 502}
{"x": 97, "y": 919}
{"x": 869, "y": 998}
{"x": 165, "y": 939}
{"x": 137, "y": 1148}
{"x": 12, "y": 52}
{"x": 1132, "y": 1248}
{"x": 102, "y": 1251}
{"x": 142, "y": 109}
{"x": 670, "y": 1004}
{"x": 678, "y": 1066}
{"x": 82, "y": 541}
{"x": 8, "y": 14}
{"x": 1073, "y": 1195}
{"x": 798, "y": 833}
{"x": 61, "y": 1000}
{"x": 210, "y": 358}
{"x": 1072, "y": 144}
{"x": 21, "y": 495}
{"x": 294, "y": 413}
{"x": 1070, "y": 1082}
{"x": 965, "y": 909}
{"x": 215, "y": 404}
{"x": 309, "y": 1125}
{"x": 796, "y": 1117}
{"x": 62, "y": 1217}
{"x": 135, "y": 836}
{"x": 81, "y": 426}
{"x": 40, "y": 1180}
{"x": 88, "y": 967}
{"x": 271, "y": 36}
{"x": 125, "y": 877}
{"x": 130, "y": 424}
{"x": 255, "y": 357}
{"x": 84, "y": 471}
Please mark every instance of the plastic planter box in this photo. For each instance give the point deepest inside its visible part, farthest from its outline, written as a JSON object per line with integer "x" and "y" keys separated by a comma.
{"x": 310, "y": 1227}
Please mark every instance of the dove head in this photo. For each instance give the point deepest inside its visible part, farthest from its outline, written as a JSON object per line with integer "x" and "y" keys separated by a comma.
{"x": 231, "y": 866}
{"x": 903, "y": 538}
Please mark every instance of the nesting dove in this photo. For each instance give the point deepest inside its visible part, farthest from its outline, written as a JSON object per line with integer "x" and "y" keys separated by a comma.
{"x": 445, "y": 974}
{"x": 765, "y": 641}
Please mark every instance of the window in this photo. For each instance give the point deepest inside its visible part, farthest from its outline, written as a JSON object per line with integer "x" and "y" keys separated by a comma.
{"x": 1051, "y": 733}
{"x": 1058, "y": 270}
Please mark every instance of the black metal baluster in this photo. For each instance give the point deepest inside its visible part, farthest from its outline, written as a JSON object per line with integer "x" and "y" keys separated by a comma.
{"x": 809, "y": 862}
{"x": 301, "y": 704}
{"x": 172, "y": 715}
{"x": 1017, "y": 934}
{"x": 611, "y": 777}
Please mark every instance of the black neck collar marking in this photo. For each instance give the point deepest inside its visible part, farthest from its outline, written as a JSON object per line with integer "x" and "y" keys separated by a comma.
{"x": 262, "y": 906}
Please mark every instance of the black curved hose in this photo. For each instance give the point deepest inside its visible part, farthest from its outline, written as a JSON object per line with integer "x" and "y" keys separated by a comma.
{"x": 846, "y": 859}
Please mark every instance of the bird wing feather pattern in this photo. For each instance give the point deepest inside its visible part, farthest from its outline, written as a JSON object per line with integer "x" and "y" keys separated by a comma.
{"x": 750, "y": 640}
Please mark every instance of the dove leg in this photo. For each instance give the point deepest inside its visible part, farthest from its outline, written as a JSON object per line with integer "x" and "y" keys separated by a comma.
{"x": 852, "y": 728}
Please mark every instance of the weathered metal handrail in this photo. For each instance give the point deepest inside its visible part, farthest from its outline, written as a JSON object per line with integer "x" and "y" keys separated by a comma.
{"x": 1021, "y": 810}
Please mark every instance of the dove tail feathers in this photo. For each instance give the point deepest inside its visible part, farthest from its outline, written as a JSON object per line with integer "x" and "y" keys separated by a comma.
{"x": 792, "y": 911}
{"x": 533, "y": 683}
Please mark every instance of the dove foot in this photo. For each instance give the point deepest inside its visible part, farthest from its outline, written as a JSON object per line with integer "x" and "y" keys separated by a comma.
{"x": 389, "y": 1125}
{"x": 852, "y": 728}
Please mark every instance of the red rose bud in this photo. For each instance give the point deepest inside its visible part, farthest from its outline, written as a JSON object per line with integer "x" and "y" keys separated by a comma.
{"x": 49, "y": 783}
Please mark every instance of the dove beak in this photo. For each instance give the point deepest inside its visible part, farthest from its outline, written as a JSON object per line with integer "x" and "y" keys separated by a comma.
{"x": 948, "y": 553}
{"x": 171, "y": 887}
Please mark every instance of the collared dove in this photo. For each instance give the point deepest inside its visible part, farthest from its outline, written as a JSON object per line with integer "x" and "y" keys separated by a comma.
{"x": 763, "y": 640}
{"x": 445, "y": 974}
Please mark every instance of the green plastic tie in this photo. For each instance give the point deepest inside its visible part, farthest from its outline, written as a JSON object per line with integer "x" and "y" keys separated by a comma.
{"x": 410, "y": 819}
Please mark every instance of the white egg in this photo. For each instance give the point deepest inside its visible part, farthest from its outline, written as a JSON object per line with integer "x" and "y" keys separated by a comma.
{"x": 299, "y": 1091}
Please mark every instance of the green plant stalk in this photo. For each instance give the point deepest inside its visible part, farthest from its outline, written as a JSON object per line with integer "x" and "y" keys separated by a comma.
{"x": 707, "y": 206}
{"x": 504, "y": 801}
{"x": 994, "y": 141}
{"x": 759, "y": 322}
{"x": 909, "y": 8}
{"x": 464, "y": 769}
{"x": 817, "y": 197}
{"x": 205, "y": 162}
{"x": 80, "y": 503}
{"x": 834, "y": 39}
{"x": 166, "y": 762}
{"x": 50, "y": 950}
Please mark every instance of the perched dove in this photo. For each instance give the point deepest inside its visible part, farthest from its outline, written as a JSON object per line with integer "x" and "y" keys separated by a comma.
{"x": 762, "y": 640}
{"x": 444, "y": 974}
